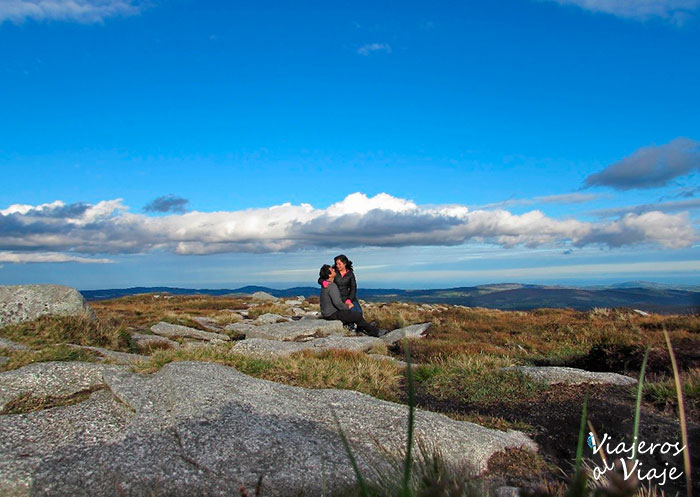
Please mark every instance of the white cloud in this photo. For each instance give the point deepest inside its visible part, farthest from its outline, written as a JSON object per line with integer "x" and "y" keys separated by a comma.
{"x": 357, "y": 221}
{"x": 84, "y": 11}
{"x": 26, "y": 257}
{"x": 677, "y": 11}
{"x": 374, "y": 47}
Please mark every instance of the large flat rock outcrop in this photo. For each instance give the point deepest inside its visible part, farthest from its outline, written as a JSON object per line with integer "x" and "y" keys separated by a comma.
{"x": 289, "y": 331}
{"x": 176, "y": 330}
{"x": 19, "y": 303}
{"x": 263, "y": 347}
{"x": 204, "y": 429}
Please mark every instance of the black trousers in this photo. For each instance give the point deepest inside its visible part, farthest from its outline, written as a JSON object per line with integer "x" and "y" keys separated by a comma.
{"x": 348, "y": 316}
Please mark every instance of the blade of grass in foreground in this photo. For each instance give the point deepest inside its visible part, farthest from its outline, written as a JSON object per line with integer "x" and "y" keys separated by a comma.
{"x": 681, "y": 415}
{"x": 405, "y": 487}
{"x": 638, "y": 407}
{"x": 581, "y": 434}
{"x": 353, "y": 461}
{"x": 579, "y": 485}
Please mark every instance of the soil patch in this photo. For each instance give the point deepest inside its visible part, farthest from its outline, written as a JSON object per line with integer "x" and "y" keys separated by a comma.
{"x": 555, "y": 415}
{"x": 626, "y": 359}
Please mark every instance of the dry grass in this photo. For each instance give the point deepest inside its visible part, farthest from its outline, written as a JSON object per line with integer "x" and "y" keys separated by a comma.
{"x": 271, "y": 308}
{"x": 142, "y": 311}
{"x": 29, "y": 403}
{"x": 542, "y": 333}
{"x": 60, "y": 352}
{"x": 50, "y": 330}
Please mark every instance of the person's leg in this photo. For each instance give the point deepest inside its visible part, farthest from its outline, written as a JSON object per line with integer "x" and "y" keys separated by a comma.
{"x": 356, "y": 307}
{"x": 348, "y": 316}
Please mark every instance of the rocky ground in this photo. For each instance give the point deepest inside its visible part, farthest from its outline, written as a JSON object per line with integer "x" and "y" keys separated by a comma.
{"x": 108, "y": 428}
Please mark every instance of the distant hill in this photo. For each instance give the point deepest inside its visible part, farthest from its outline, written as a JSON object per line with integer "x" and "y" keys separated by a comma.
{"x": 506, "y": 296}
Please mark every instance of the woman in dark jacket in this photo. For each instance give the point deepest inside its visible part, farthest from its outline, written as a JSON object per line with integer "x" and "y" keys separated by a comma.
{"x": 345, "y": 279}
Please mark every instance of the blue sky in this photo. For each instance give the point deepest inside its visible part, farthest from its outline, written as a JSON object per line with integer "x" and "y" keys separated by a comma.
{"x": 215, "y": 144}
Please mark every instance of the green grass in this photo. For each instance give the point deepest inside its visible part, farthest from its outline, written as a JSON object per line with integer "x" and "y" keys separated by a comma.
{"x": 476, "y": 379}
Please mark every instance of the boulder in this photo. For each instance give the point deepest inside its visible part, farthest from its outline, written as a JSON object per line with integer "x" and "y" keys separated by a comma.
{"x": 270, "y": 318}
{"x": 207, "y": 429}
{"x": 290, "y": 331}
{"x": 263, "y": 297}
{"x": 145, "y": 342}
{"x": 176, "y": 330}
{"x": 10, "y": 345}
{"x": 571, "y": 376}
{"x": 413, "y": 331}
{"x": 19, "y": 303}
{"x": 208, "y": 324}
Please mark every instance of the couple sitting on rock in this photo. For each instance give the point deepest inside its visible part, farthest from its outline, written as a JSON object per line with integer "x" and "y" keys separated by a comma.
{"x": 339, "y": 296}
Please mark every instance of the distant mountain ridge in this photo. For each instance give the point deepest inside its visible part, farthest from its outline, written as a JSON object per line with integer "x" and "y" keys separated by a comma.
{"x": 648, "y": 297}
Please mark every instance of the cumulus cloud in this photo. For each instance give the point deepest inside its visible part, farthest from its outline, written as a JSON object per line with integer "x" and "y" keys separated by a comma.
{"x": 374, "y": 47}
{"x": 380, "y": 221}
{"x": 28, "y": 257}
{"x": 651, "y": 166}
{"x": 682, "y": 205}
{"x": 167, "y": 203}
{"x": 676, "y": 11}
{"x": 83, "y": 11}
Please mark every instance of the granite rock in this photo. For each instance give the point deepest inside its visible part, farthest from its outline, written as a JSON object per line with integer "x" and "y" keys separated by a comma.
{"x": 276, "y": 348}
{"x": 51, "y": 379}
{"x": 413, "y": 331}
{"x": 290, "y": 331}
{"x": 571, "y": 376}
{"x": 176, "y": 330}
{"x": 263, "y": 297}
{"x": 10, "y": 345}
{"x": 19, "y": 303}
{"x": 205, "y": 429}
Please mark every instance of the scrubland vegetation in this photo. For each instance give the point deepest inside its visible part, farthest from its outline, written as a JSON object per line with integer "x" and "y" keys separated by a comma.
{"x": 458, "y": 365}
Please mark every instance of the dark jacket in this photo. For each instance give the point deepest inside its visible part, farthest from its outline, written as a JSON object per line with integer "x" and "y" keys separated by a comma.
{"x": 347, "y": 286}
{"x": 330, "y": 300}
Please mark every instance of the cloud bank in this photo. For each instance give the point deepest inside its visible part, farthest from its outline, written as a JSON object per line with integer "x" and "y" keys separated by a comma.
{"x": 564, "y": 198}
{"x": 380, "y": 221}
{"x": 676, "y": 11}
{"x": 650, "y": 167}
{"x": 676, "y": 206}
{"x": 83, "y": 11}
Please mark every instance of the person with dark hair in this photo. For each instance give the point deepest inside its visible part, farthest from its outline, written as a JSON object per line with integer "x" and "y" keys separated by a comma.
{"x": 346, "y": 282}
{"x": 333, "y": 307}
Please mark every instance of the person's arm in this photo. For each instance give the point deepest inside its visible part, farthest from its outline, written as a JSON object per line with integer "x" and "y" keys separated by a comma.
{"x": 353, "y": 287}
{"x": 334, "y": 294}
